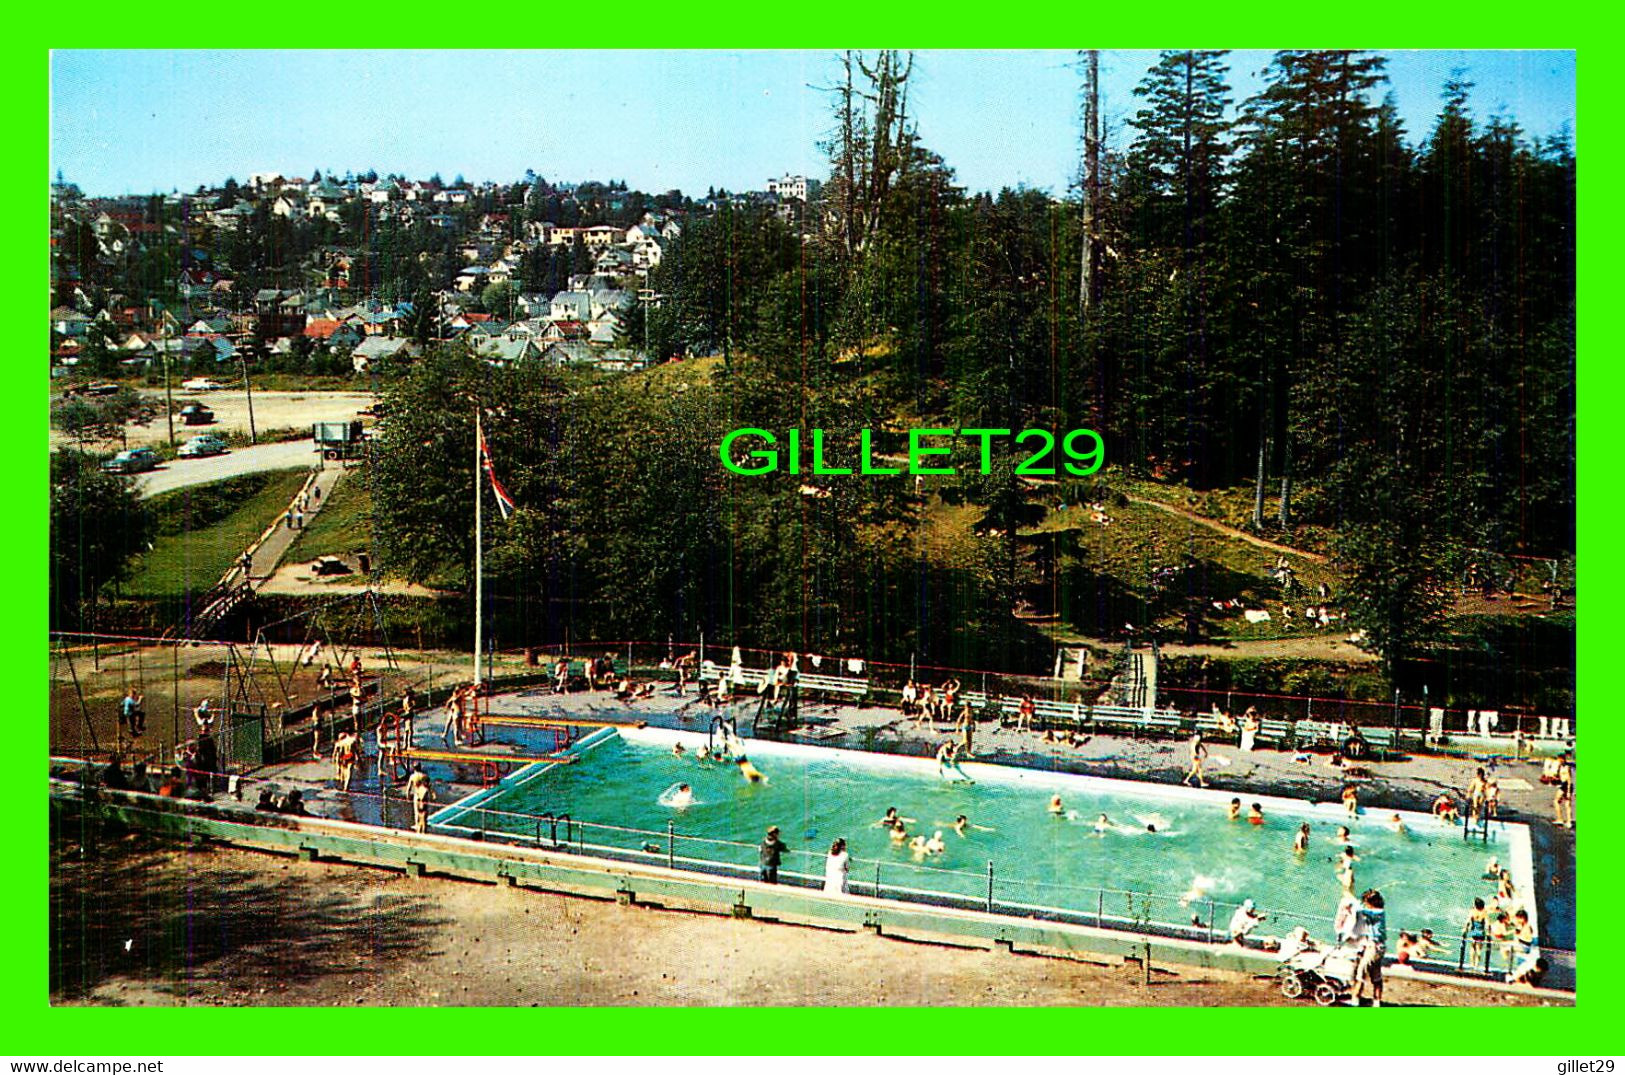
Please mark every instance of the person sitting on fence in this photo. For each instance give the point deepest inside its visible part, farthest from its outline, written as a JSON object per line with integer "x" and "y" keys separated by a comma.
{"x": 910, "y": 699}
{"x": 267, "y": 802}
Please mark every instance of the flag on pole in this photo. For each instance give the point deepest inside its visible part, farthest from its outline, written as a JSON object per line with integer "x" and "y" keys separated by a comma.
{"x": 505, "y": 502}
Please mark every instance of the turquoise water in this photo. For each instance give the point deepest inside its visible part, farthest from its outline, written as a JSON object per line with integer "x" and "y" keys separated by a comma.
{"x": 1428, "y": 875}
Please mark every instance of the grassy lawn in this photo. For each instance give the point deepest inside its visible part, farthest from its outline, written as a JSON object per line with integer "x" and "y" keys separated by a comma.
{"x": 204, "y": 528}
{"x": 343, "y": 526}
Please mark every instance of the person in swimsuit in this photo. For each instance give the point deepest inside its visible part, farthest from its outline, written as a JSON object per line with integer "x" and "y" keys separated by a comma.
{"x": 1351, "y": 799}
{"x": 1255, "y": 815}
{"x": 346, "y": 751}
{"x": 961, "y": 823}
{"x": 1235, "y": 809}
{"x": 1300, "y": 842}
{"x": 751, "y": 774}
{"x": 420, "y": 791}
{"x": 1055, "y": 806}
{"x": 1198, "y": 759}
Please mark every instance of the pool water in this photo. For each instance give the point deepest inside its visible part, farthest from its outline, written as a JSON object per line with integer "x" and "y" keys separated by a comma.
{"x": 1428, "y": 875}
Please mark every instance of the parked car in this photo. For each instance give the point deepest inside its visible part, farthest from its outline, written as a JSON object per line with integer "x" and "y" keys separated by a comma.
{"x": 132, "y": 461}
{"x": 196, "y": 414}
{"x": 201, "y": 384}
{"x": 201, "y": 445}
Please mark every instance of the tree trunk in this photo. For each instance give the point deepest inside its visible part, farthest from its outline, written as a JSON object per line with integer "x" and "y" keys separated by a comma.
{"x": 1286, "y": 484}
{"x": 1091, "y": 173}
{"x": 1258, "y": 495}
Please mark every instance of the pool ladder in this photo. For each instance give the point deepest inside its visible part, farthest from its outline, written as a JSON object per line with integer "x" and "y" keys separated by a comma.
{"x": 553, "y": 829}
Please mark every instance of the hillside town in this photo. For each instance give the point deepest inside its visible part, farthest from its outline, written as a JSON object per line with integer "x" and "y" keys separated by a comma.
{"x": 308, "y": 275}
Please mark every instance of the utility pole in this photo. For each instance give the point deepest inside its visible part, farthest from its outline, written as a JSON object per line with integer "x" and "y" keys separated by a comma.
{"x": 1091, "y": 173}
{"x": 253, "y": 437}
{"x": 169, "y": 397}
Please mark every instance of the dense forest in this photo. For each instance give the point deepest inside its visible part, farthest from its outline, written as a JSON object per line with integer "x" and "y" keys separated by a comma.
{"x": 1370, "y": 330}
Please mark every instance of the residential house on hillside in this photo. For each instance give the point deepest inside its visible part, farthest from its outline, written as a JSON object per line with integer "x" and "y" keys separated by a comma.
{"x": 378, "y": 348}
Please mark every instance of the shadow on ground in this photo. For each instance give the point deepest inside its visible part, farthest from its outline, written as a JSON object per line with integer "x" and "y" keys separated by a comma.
{"x": 129, "y": 908}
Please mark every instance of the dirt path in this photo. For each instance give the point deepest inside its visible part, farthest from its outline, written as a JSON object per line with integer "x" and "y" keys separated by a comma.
{"x": 1226, "y": 529}
{"x": 141, "y": 923}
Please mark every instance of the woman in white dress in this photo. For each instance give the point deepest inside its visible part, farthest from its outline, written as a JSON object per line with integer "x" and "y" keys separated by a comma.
{"x": 836, "y": 868}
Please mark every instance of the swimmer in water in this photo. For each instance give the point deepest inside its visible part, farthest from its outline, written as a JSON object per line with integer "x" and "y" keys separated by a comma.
{"x": 677, "y": 750}
{"x": 899, "y": 832}
{"x": 1255, "y": 816}
{"x": 1397, "y": 824}
{"x": 1151, "y": 828}
{"x": 1346, "y": 858}
{"x": 892, "y": 819}
{"x": 1055, "y": 806}
{"x": 961, "y": 823}
{"x": 703, "y": 754}
{"x": 916, "y": 847}
{"x": 751, "y": 774}
{"x": 935, "y": 846}
{"x": 1300, "y": 842}
{"x": 1103, "y": 824}
{"x": 1235, "y": 809}
{"x": 683, "y": 797}
{"x": 1342, "y": 836}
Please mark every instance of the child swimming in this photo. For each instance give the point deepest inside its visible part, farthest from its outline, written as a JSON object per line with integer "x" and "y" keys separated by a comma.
{"x": 751, "y": 774}
{"x": 935, "y": 846}
{"x": 1103, "y": 824}
{"x": 680, "y": 798}
{"x": 1300, "y": 842}
{"x": 1055, "y": 806}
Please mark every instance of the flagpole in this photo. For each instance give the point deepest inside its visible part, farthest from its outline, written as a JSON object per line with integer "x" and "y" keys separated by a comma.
{"x": 479, "y": 580}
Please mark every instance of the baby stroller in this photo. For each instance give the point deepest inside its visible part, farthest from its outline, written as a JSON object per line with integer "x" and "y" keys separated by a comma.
{"x": 1325, "y": 974}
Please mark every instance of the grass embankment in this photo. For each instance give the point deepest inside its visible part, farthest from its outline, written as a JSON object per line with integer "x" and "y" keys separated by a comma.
{"x": 344, "y": 525}
{"x": 202, "y": 529}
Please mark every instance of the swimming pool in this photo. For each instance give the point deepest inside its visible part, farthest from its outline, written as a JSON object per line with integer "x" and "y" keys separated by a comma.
{"x": 1016, "y": 858}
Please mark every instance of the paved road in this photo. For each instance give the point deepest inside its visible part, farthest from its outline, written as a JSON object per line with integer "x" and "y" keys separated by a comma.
{"x": 183, "y": 472}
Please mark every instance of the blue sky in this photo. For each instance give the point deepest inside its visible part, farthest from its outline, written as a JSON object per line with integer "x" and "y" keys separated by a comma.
{"x": 142, "y": 121}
